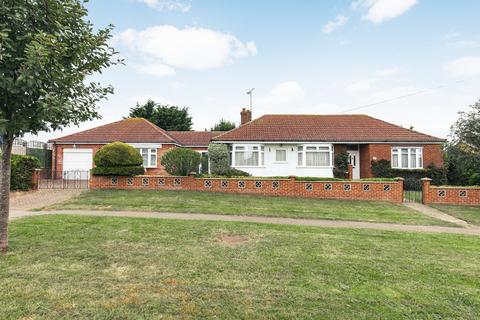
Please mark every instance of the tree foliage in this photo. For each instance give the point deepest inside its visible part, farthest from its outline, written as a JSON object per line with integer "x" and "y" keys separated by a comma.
{"x": 181, "y": 161}
{"x": 48, "y": 51}
{"x": 340, "y": 169}
{"x": 22, "y": 170}
{"x": 218, "y": 155}
{"x": 462, "y": 153}
{"x": 171, "y": 118}
{"x": 223, "y": 125}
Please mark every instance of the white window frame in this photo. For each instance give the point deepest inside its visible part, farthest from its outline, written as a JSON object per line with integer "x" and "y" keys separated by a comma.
{"x": 248, "y": 148}
{"x": 286, "y": 155}
{"x": 303, "y": 153}
{"x": 149, "y": 156}
{"x": 418, "y": 157}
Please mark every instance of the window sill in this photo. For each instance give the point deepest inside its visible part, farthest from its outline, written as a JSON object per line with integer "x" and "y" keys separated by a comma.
{"x": 248, "y": 167}
{"x": 309, "y": 167}
{"x": 408, "y": 168}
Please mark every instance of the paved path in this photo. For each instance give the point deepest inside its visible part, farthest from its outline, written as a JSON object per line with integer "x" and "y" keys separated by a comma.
{"x": 270, "y": 220}
{"x": 437, "y": 214}
{"x": 40, "y": 198}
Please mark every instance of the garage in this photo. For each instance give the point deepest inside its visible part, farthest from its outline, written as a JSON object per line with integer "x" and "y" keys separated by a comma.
{"x": 77, "y": 163}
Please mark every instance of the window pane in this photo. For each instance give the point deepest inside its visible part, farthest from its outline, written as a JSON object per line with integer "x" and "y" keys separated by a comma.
{"x": 300, "y": 148}
{"x": 239, "y": 148}
{"x": 246, "y": 158}
{"x": 318, "y": 159}
{"x": 153, "y": 160}
{"x": 300, "y": 159}
{"x": 404, "y": 158}
{"x": 281, "y": 155}
{"x": 395, "y": 161}
{"x": 413, "y": 158}
{"x": 311, "y": 148}
{"x": 324, "y": 148}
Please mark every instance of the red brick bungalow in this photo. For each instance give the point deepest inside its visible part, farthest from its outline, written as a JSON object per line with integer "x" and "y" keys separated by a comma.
{"x": 272, "y": 145}
{"x": 76, "y": 151}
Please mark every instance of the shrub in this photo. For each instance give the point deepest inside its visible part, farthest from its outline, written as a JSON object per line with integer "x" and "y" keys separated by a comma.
{"x": 22, "y": 171}
{"x": 118, "y": 159}
{"x": 181, "y": 161}
{"x": 118, "y": 171}
{"x": 218, "y": 155}
{"x": 341, "y": 166}
{"x": 382, "y": 169}
{"x": 117, "y": 154}
{"x": 232, "y": 172}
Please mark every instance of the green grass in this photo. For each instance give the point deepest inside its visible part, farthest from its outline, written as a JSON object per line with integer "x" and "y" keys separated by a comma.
{"x": 234, "y": 204}
{"x": 65, "y": 267}
{"x": 466, "y": 213}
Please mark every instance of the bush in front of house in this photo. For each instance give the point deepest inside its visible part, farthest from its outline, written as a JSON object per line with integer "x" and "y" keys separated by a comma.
{"x": 118, "y": 159}
{"x": 181, "y": 161}
{"x": 218, "y": 155}
{"x": 22, "y": 171}
{"x": 340, "y": 169}
{"x": 382, "y": 169}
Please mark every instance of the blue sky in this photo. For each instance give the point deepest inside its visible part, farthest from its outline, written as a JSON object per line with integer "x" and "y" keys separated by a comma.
{"x": 309, "y": 57}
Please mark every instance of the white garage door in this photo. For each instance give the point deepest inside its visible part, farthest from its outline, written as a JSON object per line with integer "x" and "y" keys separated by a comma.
{"x": 77, "y": 163}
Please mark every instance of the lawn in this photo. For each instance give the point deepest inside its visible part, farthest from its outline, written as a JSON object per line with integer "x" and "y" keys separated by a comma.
{"x": 132, "y": 268}
{"x": 466, "y": 213}
{"x": 235, "y": 204}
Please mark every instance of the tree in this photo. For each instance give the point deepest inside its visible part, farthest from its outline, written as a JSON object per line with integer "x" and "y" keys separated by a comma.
{"x": 48, "y": 49}
{"x": 171, "y": 118}
{"x": 223, "y": 125}
{"x": 467, "y": 128}
{"x": 462, "y": 153}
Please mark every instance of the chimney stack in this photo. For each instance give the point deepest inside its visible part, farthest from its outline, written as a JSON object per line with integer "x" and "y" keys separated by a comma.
{"x": 245, "y": 116}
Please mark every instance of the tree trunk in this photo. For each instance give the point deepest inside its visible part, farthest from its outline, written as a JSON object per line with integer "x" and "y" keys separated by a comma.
{"x": 5, "y": 191}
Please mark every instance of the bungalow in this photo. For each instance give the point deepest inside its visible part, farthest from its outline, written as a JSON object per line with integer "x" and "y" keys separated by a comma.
{"x": 75, "y": 152}
{"x": 272, "y": 145}
{"x": 305, "y": 145}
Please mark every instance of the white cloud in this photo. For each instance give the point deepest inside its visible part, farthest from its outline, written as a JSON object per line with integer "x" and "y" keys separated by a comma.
{"x": 284, "y": 92}
{"x": 169, "y": 5}
{"x": 379, "y": 11}
{"x": 144, "y": 98}
{"x": 190, "y": 48}
{"x": 386, "y": 72}
{"x": 359, "y": 86}
{"x": 464, "y": 67}
{"x": 156, "y": 69}
{"x": 335, "y": 24}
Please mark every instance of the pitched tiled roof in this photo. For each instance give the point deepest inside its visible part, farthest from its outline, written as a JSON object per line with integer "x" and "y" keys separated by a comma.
{"x": 133, "y": 130}
{"x": 194, "y": 138}
{"x": 325, "y": 128}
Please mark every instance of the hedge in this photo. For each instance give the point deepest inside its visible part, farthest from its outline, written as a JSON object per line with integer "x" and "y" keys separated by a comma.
{"x": 383, "y": 169}
{"x": 118, "y": 171}
{"x": 118, "y": 159}
{"x": 22, "y": 171}
{"x": 181, "y": 161}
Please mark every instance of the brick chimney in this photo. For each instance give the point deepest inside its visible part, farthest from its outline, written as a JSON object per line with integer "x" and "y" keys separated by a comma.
{"x": 245, "y": 116}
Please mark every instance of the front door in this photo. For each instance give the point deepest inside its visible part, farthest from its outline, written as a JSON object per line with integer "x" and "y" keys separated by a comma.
{"x": 354, "y": 160}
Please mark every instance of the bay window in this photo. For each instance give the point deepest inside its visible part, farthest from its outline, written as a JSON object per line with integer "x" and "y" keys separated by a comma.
{"x": 407, "y": 158}
{"x": 248, "y": 155}
{"x": 315, "y": 155}
{"x": 149, "y": 156}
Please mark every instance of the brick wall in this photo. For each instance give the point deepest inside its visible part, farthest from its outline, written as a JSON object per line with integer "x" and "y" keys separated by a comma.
{"x": 432, "y": 154}
{"x": 390, "y": 191}
{"x": 466, "y": 196}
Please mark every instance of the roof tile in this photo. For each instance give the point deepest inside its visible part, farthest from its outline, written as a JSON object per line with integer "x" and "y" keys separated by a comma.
{"x": 324, "y": 128}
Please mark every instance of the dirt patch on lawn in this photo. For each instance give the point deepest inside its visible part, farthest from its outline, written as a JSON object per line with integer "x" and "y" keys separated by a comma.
{"x": 232, "y": 240}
